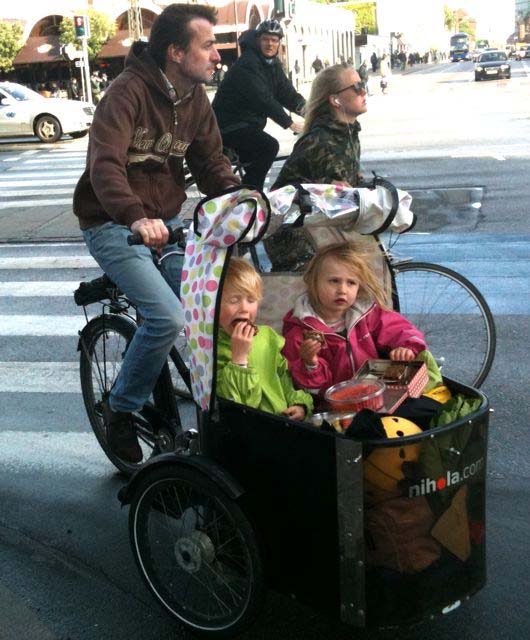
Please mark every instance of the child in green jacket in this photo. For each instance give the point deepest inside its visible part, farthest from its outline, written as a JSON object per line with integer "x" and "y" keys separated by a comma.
{"x": 250, "y": 367}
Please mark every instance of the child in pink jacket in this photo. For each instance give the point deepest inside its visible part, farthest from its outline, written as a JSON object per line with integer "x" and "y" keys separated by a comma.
{"x": 342, "y": 321}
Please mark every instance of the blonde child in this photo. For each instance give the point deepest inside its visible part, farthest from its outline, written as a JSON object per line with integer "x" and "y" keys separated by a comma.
{"x": 250, "y": 367}
{"x": 342, "y": 321}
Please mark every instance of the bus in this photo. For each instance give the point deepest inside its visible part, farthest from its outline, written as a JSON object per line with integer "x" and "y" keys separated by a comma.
{"x": 460, "y": 44}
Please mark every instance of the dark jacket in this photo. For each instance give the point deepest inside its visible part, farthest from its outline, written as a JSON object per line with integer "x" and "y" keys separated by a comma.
{"x": 255, "y": 88}
{"x": 329, "y": 152}
{"x": 138, "y": 141}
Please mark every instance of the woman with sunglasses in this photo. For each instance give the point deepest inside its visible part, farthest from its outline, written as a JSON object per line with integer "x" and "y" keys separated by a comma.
{"x": 329, "y": 150}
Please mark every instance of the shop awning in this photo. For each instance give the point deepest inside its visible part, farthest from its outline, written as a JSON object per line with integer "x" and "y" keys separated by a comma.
{"x": 118, "y": 46}
{"x": 39, "y": 49}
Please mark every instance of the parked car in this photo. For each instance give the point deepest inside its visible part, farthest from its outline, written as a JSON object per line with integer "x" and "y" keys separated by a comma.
{"x": 493, "y": 64}
{"x": 24, "y": 112}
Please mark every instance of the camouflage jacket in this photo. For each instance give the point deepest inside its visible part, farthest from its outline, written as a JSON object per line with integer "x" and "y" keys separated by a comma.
{"x": 329, "y": 152}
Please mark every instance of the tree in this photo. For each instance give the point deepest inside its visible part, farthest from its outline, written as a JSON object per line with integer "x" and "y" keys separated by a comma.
{"x": 101, "y": 29}
{"x": 449, "y": 18}
{"x": 365, "y": 16}
{"x": 10, "y": 44}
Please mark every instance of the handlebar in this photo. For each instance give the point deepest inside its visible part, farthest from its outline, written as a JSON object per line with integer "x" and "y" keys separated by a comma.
{"x": 176, "y": 236}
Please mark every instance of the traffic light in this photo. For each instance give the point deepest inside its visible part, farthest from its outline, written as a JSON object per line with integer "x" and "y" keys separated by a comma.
{"x": 79, "y": 26}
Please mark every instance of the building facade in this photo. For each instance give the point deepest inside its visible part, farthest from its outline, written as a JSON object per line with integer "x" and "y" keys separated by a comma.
{"x": 311, "y": 28}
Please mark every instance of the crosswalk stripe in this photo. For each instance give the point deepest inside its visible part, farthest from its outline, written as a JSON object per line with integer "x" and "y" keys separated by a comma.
{"x": 56, "y": 452}
{"x": 21, "y": 172}
{"x": 35, "y": 192}
{"x": 39, "y": 377}
{"x": 38, "y": 325}
{"x": 49, "y": 262}
{"x": 32, "y": 183}
{"x": 19, "y": 204}
{"x": 37, "y": 288}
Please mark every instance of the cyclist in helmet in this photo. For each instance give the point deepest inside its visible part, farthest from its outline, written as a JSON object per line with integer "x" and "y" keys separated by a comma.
{"x": 256, "y": 88}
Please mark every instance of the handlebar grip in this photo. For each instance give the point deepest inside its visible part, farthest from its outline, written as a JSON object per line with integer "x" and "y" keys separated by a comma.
{"x": 134, "y": 238}
{"x": 176, "y": 236}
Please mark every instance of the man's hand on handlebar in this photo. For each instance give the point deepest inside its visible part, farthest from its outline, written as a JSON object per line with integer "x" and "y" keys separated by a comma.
{"x": 296, "y": 127}
{"x": 153, "y": 232}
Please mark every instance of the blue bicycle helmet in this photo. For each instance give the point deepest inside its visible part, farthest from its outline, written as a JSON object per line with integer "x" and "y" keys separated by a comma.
{"x": 270, "y": 26}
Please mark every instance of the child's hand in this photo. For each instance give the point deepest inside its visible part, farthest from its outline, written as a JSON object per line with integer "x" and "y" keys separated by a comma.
{"x": 309, "y": 350}
{"x": 241, "y": 341}
{"x": 296, "y": 412}
{"x": 402, "y": 353}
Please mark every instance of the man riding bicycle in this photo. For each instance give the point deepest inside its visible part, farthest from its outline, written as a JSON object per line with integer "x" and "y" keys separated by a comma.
{"x": 153, "y": 115}
{"x": 256, "y": 88}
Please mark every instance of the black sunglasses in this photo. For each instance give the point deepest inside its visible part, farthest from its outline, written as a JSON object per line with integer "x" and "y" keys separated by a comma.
{"x": 358, "y": 87}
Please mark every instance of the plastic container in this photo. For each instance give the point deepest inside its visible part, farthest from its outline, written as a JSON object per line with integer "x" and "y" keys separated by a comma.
{"x": 354, "y": 395}
{"x": 339, "y": 421}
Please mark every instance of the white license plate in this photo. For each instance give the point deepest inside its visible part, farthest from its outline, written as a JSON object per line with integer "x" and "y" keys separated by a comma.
{"x": 491, "y": 72}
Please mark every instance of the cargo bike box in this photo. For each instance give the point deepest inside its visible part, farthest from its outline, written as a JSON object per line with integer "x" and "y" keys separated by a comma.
{"x": 373, "y": 533}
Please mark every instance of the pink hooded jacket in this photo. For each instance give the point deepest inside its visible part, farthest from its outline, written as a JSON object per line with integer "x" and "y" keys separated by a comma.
{"x": 372, "y": 333}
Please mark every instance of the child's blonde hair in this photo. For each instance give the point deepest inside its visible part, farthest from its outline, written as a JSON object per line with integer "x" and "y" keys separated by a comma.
{"x": 356, "y": 261}
{"x": 242, "y": 277}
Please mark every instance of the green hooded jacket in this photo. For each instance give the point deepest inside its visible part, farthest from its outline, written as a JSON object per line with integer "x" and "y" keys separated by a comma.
{"x": 266, "y": 383}
{"x": 330, "y": 152}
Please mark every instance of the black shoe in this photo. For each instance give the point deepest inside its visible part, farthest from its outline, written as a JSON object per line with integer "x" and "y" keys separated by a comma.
{"x": 121, "y": 436}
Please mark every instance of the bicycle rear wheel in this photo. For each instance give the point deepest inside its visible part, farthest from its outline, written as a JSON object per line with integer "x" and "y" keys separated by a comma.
{"x": 452, "y": 314}
{"x": 103, "y": 344}
{"x": 196, "y": 551}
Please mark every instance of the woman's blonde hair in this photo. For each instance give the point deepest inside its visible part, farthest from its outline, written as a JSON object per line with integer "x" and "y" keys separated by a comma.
{"x": 242, "y": 277}
{"x": 326, "y": 83}
{"x": 356, "y": 260}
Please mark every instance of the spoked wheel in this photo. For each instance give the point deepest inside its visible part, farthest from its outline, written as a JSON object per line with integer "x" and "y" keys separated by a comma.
{"x": 196, "y": 551}
{"x": 457, "y": 323}
{"x": 102, "y": 347}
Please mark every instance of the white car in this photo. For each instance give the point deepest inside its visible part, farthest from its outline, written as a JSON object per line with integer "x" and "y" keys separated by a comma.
{"x": 24, "y": 112}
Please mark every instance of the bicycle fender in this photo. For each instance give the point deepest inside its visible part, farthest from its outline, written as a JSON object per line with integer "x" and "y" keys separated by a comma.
{"x": 210, "y": 469}
{"x": 87, "y": 329}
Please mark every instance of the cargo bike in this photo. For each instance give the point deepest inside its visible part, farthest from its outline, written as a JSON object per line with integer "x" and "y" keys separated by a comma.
{"x": 376, "y": 532}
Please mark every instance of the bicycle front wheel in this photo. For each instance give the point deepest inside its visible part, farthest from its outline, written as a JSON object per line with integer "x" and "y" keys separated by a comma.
{"x": 103, "y": 344}
{"x": 196, "y": 551}
{"x": 452, "y": 314}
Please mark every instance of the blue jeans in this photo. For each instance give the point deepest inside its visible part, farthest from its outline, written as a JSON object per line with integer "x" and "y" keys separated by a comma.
{"x": 155, "y": 294}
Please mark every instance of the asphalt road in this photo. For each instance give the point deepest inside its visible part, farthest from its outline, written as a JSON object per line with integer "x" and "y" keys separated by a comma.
{"x": 66, "y": 569}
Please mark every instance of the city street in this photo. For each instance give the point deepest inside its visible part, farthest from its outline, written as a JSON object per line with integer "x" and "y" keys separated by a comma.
{"x": 66, "y": 569}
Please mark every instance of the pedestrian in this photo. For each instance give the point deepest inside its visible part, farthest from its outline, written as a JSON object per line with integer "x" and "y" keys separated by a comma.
{"x": 153, "y": 115}
{"x": 74, "y": 89}
{"x": 374, "y": 61}
{"x": 329, "y": 149}
{"x": 296, "y": 74}
{"x": 95, "y": 86}
{"x": 317, "y": 64}
{"x": 254, "y": 89}
{"x": 384, "y": 72}
{"x": 363, "y": 74}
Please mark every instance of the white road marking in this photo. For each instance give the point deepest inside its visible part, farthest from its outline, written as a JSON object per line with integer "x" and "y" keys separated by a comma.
{"x": 36, "y": 192}
{"x": 49, "y": 262}
{"x": 20, "y": 173}
{"x": 57, "y": 453}
{"x": 35, "y": 203}
{"x": 26, "y": 325}
{"x": 8, "y": 182}
{"x": 39, "y": 377}
{"x": 47, "y": 245}
{"x": 32, "y": 289}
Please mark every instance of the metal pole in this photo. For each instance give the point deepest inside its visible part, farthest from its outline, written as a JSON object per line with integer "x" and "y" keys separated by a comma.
{"x": 86, "y": 70}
